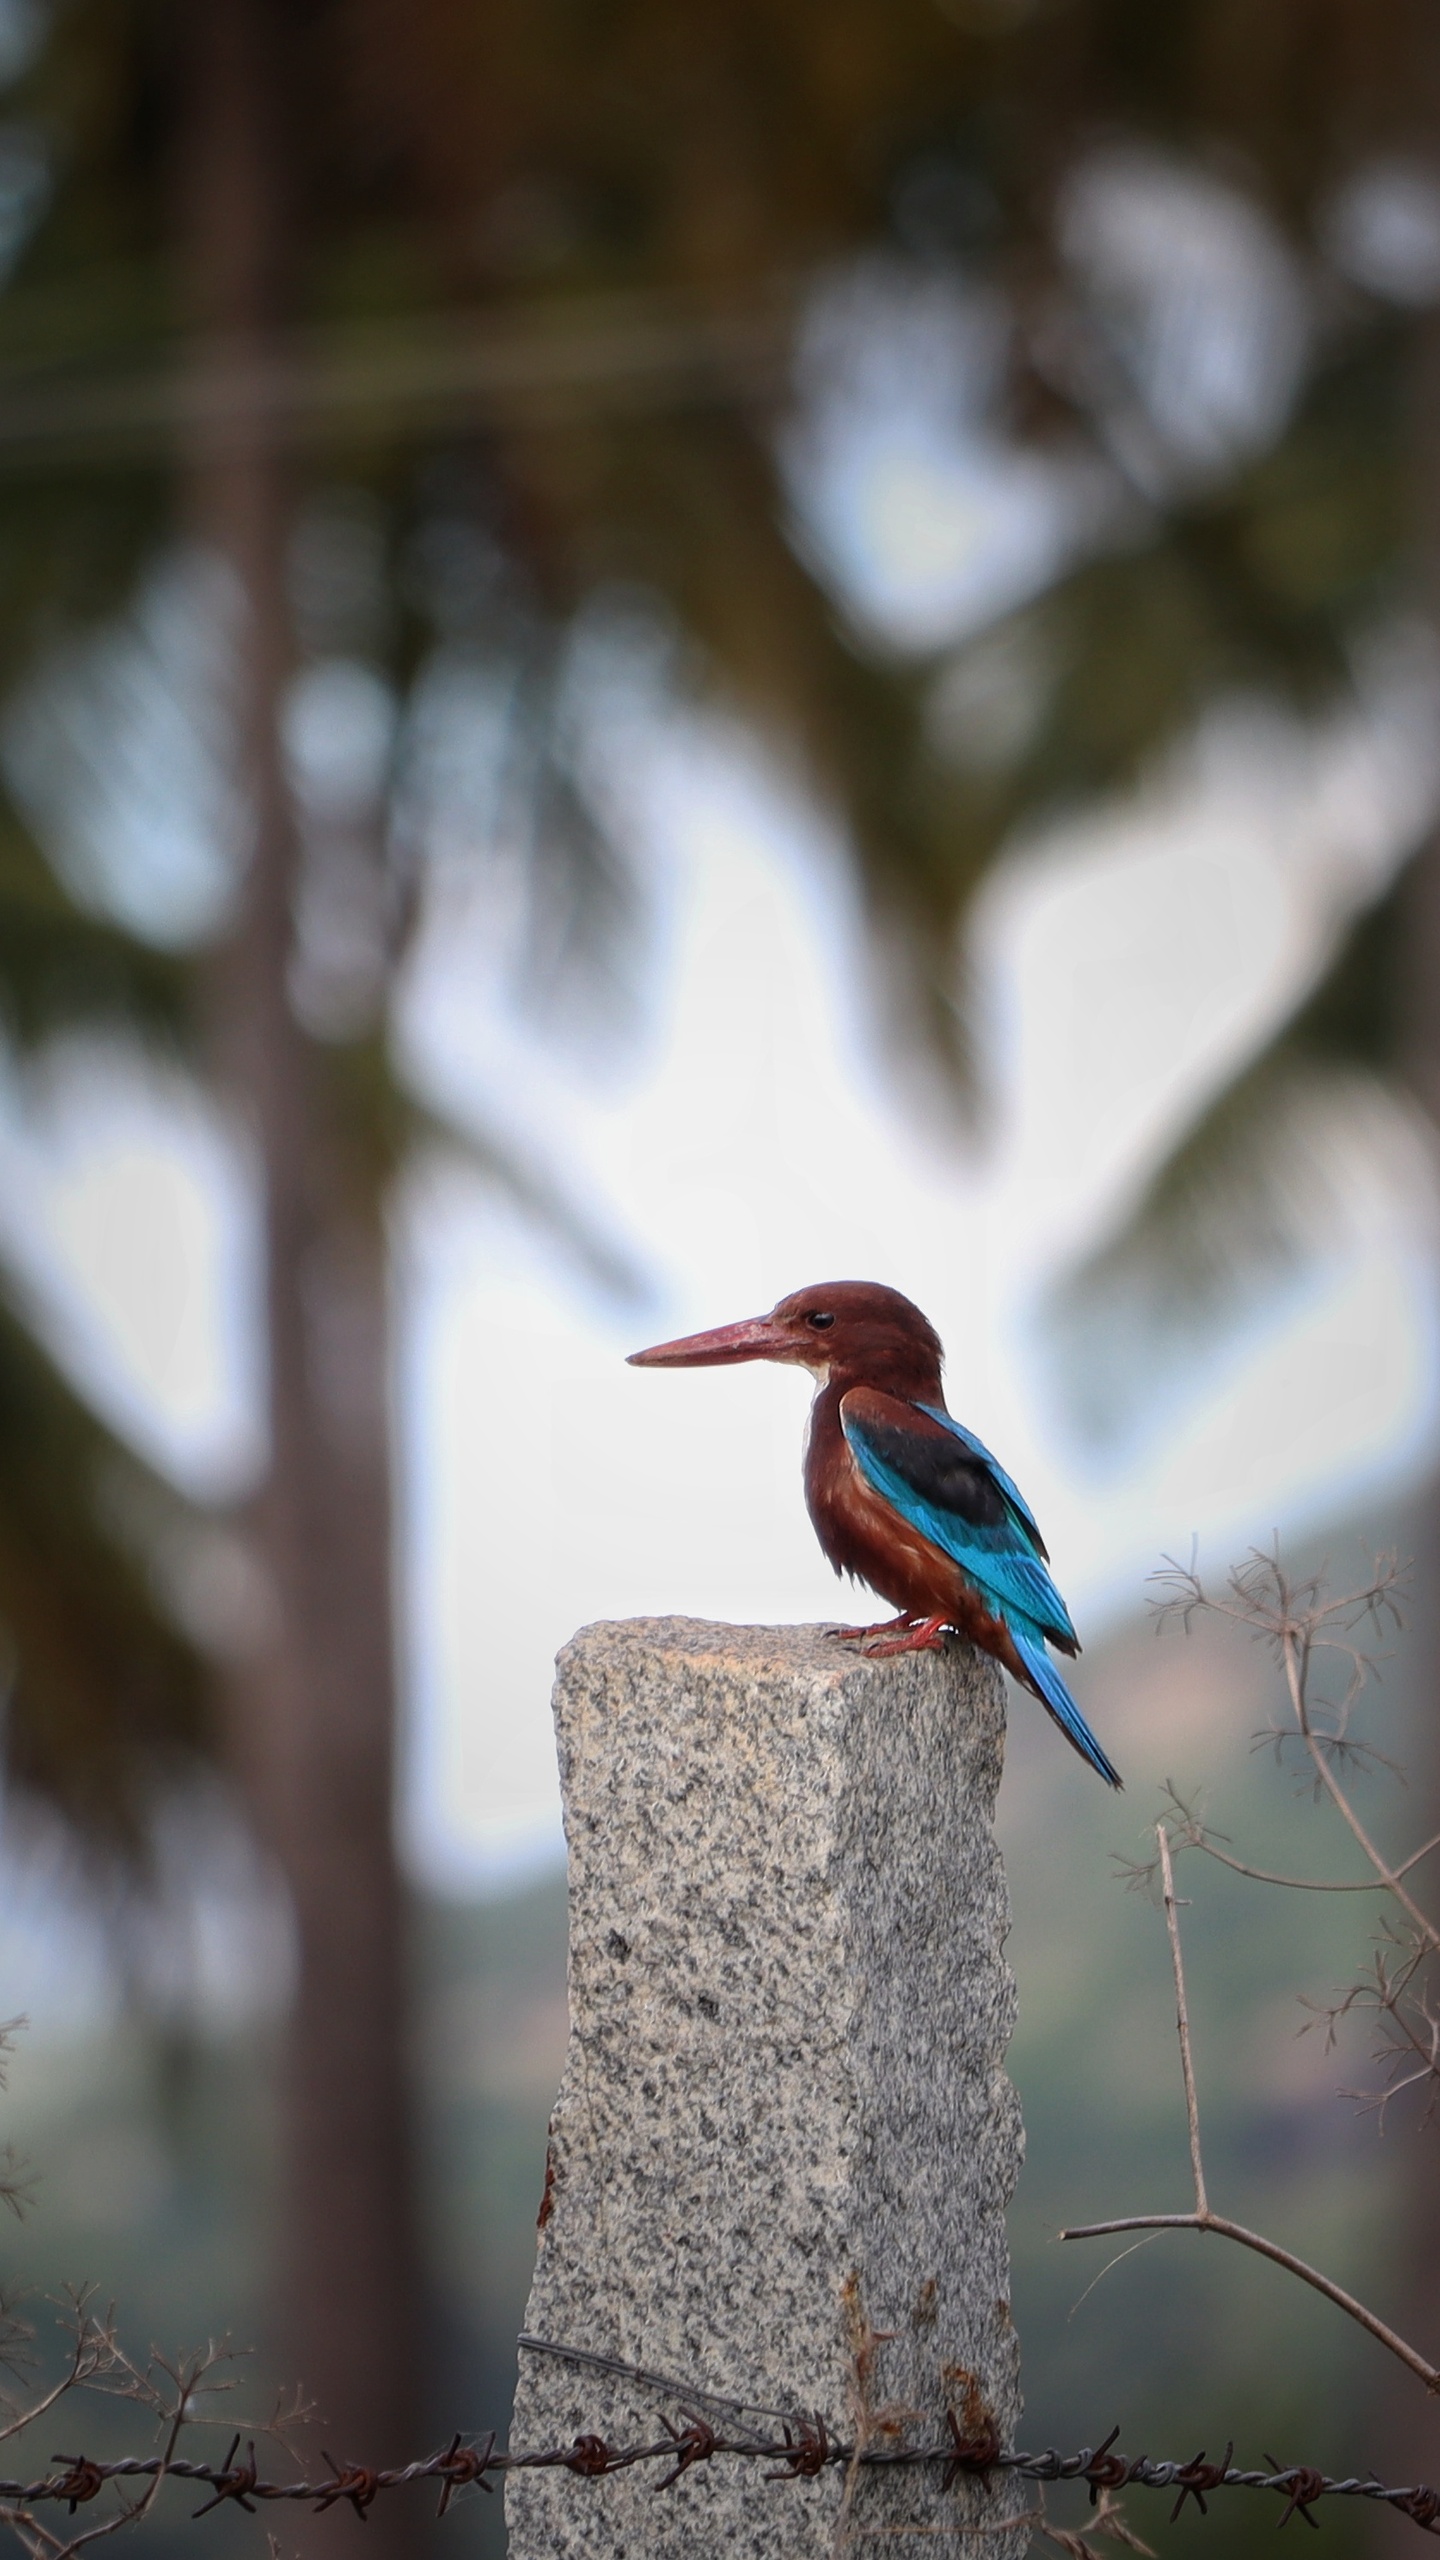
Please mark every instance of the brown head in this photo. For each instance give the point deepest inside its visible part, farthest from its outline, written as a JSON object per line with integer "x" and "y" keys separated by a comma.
{"x": 845, "y": 1330}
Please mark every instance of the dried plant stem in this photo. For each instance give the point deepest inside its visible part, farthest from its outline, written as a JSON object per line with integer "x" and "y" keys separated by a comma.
{"x": 1417, "y": 1854}
{"x": 1182, "y": 2022}
{"x": 1203, "y": 2219}
{"x": 41, "y": 2408}
{"x": 1220, "y": 2223}
{"x": 1388, "y": 1876}
{"x": 1300, "y": 1884}
{"x": 1299, "y": 1624}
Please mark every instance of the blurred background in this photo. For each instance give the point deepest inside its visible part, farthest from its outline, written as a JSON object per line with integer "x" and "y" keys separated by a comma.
{"x": 650, "y": 653}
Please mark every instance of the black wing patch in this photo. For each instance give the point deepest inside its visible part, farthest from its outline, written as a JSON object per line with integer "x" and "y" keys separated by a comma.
{"x": 941, "y": 1470}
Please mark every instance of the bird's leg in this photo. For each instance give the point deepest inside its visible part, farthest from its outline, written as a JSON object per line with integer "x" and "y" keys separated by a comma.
{"x": 857, "y": 1635}
{"x": 923, "y": 1635}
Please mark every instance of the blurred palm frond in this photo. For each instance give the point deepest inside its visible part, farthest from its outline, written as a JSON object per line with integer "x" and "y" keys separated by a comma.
{"x": 105, "y": 1697}
{"x": 536, "y": 343}
{"x": 1254, "y": 1185}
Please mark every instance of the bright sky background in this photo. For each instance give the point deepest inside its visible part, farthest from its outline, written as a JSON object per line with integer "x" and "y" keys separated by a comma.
{"x": 750, "y": 1138}
{"x": 753, "y": 1141}
{"x": 758, "y": 1144}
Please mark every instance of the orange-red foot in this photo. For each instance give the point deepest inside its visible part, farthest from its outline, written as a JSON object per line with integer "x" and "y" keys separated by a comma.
{"x": 927, "y": 1635}
{"x": 857, "y": 1635}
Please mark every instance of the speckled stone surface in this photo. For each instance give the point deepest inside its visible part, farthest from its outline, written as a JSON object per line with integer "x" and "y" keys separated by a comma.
{"x": 789, "y": 2011}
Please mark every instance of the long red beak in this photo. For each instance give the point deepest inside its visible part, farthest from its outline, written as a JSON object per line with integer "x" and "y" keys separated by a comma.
{"x": 758, "y": 1338}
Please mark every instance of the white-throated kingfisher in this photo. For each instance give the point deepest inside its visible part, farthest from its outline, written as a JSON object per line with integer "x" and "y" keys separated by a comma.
{"x": 900, "y": 1494}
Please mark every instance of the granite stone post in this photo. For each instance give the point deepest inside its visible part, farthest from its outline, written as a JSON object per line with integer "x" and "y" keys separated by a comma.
{"x": 784, "y": 2113}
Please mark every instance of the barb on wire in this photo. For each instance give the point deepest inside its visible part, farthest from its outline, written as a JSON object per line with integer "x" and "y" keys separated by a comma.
{"x": 805, "y": 2448}
{"x": 696, "y": 2441}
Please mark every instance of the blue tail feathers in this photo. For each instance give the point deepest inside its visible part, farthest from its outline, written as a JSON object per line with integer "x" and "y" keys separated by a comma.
{"x": 1052, "y": 1690}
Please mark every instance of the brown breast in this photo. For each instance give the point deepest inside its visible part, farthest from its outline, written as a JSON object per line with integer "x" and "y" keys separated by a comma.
{"x": 861, "y": 1534}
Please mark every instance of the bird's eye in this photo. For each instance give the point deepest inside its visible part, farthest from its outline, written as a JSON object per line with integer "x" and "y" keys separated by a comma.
{"x": 819, "y": 1319}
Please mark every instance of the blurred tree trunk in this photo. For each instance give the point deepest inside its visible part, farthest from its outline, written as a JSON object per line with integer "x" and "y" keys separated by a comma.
{"x": 315, "y": 1719}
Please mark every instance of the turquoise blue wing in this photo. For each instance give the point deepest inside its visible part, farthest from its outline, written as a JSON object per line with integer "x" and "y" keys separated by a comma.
{"x": 945, "y": 1484}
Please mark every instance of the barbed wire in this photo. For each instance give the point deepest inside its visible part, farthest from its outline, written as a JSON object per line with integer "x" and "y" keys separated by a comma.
{"x": 803, "y": 2449}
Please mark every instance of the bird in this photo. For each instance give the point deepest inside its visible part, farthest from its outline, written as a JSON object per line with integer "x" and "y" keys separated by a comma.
{"x": 902, "y": 1496}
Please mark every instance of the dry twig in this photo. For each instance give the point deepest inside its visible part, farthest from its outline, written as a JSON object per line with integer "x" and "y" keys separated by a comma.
{"x": 1203, "y": 2218}
{"x": 1302, "y": 1625}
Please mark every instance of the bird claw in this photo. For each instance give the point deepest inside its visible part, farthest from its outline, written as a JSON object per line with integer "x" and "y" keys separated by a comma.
{"x": 927, "y": 1637}
{"x": 860, "y": 1635}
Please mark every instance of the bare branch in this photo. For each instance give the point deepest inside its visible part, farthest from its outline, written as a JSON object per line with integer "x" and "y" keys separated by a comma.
{"x": 1293, "y": 1884}
{"x": 1187, "y": 1831}
{"x": 1182, "y": 2020}
{"x": 1417, "y": 1854}
{"x": 1108, "y": 2521}
{"x": 1294, "y": 1650}
{"x": 185, "y": 2378}
{"x": 1203, "y": 2218}
{"x": 1220, "y": 2223}
{"x": 93, "y": 2353}
{"x": 1300, "y": 1623}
